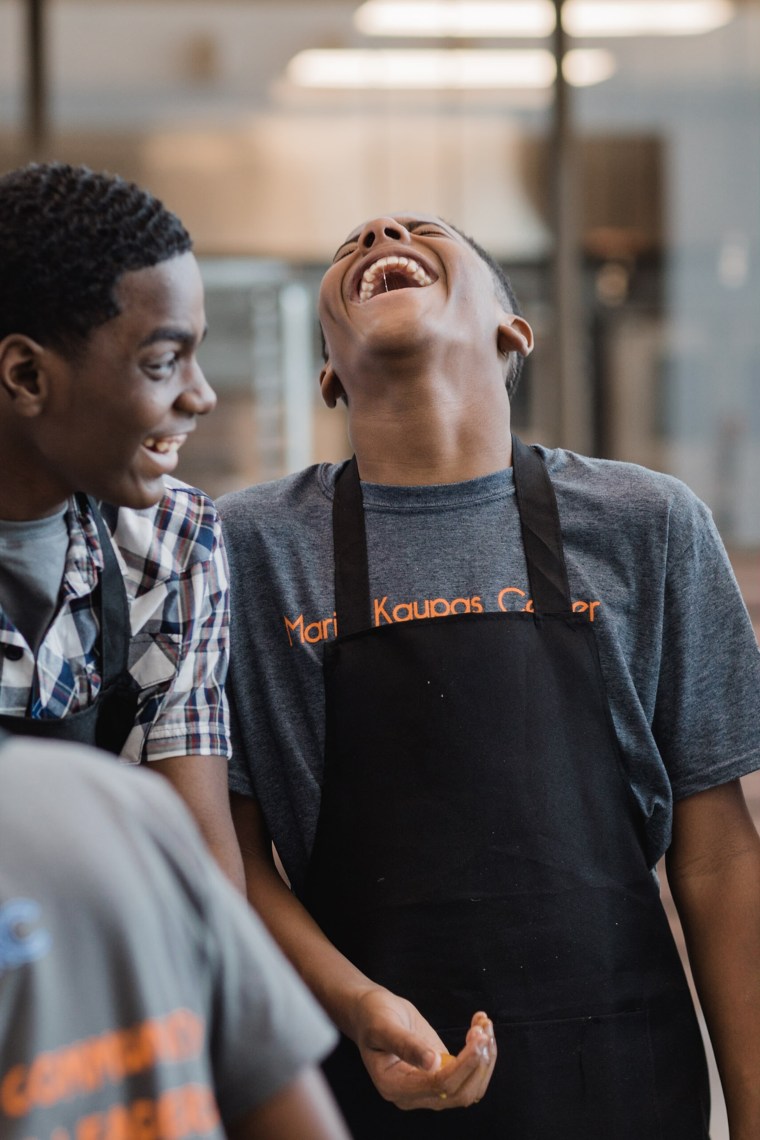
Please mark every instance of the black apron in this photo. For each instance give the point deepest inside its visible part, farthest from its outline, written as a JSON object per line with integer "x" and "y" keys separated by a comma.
{"x": 478, "y": 847}
{"x": 107, "y": 722}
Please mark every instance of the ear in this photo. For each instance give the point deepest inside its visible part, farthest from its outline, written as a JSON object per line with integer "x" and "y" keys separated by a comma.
{"x": 514, "y": 335}
{"x": 22, "y": 373}
{"x": 330, "y": 386}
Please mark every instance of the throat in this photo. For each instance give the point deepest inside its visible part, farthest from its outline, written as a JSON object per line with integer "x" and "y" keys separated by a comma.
{"x": 422, "y": 450}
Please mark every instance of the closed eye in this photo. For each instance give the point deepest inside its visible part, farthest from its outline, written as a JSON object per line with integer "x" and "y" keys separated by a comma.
{"x": 344, "y": 251}
{"x": 430, "y": 232}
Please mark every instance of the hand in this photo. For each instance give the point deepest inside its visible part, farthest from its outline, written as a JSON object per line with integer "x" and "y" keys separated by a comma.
{"x": 408, "y": 1062}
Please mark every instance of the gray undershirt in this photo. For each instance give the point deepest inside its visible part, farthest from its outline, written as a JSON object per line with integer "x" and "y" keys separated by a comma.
{"x": 32, "y": 561}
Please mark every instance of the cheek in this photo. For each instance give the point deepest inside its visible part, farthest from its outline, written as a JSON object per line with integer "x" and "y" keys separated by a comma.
{"x": 330, "y": 300}
{"x": 121, "y": 423}
{"x": 145, "y": 401}
{"x": 330, "y": 331}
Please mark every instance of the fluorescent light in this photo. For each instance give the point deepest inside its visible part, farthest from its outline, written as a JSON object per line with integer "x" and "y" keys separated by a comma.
{"x": 515, "y": 18}
{"x": 435, "y": 69}
{"x": 645, "y": 17}
{"x": 583, "y": 67}
{"x": 455, "y": 18}
{"x": 424, "y": 69}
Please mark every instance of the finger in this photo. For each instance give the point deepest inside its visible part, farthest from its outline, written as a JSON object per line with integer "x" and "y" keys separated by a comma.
{"x": 486, "y": 1047}
{"x": 405, "y": 1086}
{"x": 464, "y": 1080}
{"x": 482, "y": 1078}
{"x": 463, "y": 1083}
{"x": 405, "y": 1045}
{"x": 481, "y": 1032}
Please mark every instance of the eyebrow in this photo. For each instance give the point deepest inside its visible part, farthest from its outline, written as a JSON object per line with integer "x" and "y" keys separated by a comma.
{"x": 170, "y": 332}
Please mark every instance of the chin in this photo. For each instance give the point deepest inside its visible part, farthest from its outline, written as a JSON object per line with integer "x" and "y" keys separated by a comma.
{"x": 148, "y": 498}
{"x": 138, "y": 496}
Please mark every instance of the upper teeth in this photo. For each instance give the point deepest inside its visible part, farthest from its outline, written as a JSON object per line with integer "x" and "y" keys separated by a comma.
{"x": 163, "y": 445}
{"x": 370, "y": 281}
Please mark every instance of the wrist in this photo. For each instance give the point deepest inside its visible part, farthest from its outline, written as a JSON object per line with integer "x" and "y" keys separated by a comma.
{"x": 358, "y": 1009}
{"x": 343, "y": 991}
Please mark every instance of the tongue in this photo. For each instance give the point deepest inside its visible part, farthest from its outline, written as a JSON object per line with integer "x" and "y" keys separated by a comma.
{"x": 395, "y": 280}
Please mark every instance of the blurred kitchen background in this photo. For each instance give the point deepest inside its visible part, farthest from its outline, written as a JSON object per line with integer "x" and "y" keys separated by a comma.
{"x": 607, "y": 151}
{"x": 622, "y": 190}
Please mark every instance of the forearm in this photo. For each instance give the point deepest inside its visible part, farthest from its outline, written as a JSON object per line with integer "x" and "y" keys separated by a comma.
{"x": 336, "y": 983}
{"x": 400, "y": 1049}
{"x": 201, "y": 781}
{"x": 718, "y": 900}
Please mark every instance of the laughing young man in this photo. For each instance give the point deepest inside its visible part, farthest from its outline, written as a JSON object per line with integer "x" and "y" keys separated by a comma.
{"x": 113, "y": 581}
{"x": 492, "y": 685}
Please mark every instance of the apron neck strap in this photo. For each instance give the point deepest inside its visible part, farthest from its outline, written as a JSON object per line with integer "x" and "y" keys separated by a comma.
{"x": 541, "y": 535}
{"x": 352, "y": 601}
{"x": 115, "y": 629}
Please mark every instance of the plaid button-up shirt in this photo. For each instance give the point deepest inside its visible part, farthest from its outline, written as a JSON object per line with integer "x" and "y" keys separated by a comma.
{"x": 175, "y": 572}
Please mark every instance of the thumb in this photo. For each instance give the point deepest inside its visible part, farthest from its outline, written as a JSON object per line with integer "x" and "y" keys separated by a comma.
{"x": 407, "y": 1046}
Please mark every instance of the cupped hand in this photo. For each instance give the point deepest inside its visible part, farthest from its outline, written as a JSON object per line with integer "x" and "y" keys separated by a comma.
{"x": 408, "y": 1062}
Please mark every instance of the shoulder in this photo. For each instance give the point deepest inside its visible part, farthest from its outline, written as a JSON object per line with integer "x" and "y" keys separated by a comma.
{"x": 626, "y": 482}
{"x": 179, "y": 532}
{"x": 617, "y": 495}
{"x": 280, "y": 503}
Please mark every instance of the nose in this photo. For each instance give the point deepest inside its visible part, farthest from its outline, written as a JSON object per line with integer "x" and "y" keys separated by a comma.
{"x": 380, "y": 228}
{"x": 197, "y": 397}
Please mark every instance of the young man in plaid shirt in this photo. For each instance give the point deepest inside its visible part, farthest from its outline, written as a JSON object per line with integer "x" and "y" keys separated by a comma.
{"x": 113, "y": 580}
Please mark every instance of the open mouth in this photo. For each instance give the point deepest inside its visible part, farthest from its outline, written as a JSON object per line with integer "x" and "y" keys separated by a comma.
{"x": 391, "y": 273}
{"x": 164, "y": 445}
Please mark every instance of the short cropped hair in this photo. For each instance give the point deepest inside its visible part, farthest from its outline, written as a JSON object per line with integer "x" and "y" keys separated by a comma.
{"x": 67, "y": 234}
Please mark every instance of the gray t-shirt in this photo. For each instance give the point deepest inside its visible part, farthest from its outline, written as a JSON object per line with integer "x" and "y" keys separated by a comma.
{"x": 32, "y": 558}
{"x": 135, "y": 983}
{"x": 645, "y": 564}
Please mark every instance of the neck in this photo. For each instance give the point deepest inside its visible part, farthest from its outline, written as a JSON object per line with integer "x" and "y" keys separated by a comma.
{"x": 25, "y": 492}
{"x": 427, "y": 430}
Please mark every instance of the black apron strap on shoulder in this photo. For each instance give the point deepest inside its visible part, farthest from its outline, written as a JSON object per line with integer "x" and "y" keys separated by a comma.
{"x": 352, "y": 601}
{"x": 115, "y": 629}
{"x": 541, "y": 533}
{"x": 541, "y": 536}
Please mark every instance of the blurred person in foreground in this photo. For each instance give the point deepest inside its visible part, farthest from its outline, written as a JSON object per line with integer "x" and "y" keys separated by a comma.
{"x": 139, "y": 995}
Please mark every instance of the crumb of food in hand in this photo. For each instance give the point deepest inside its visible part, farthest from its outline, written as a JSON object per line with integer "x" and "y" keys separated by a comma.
{"x": 446, "y": 1057}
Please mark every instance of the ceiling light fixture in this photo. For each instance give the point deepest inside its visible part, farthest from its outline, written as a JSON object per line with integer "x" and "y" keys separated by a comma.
{"x": 645, "y": 17}
{"x": 456, "y": 19}
{"x": 433, "y": 69}
{"x": 585, "y": 67}
{"x": 536, "y": 18}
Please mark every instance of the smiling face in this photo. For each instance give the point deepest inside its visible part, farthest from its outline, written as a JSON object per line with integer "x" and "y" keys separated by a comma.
{"x": 110, "y": 419}
{"x": 403, "y": 286}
